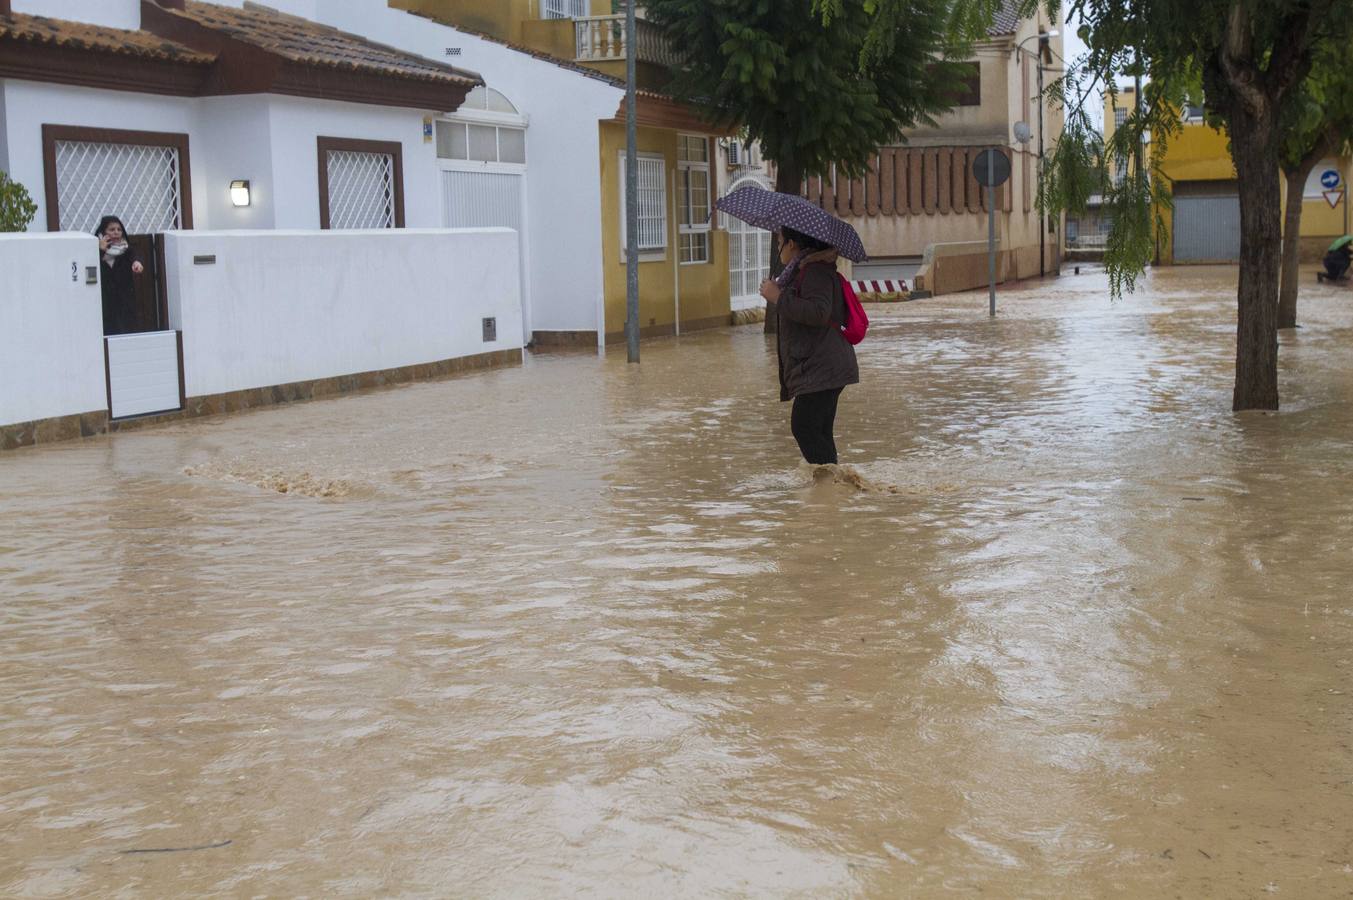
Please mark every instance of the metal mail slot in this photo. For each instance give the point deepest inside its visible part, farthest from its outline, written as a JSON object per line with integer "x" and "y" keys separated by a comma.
{"x": 208, "y": 259}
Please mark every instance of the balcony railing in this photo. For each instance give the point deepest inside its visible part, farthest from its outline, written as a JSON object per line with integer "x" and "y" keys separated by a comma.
{"x": 602, "y": 38}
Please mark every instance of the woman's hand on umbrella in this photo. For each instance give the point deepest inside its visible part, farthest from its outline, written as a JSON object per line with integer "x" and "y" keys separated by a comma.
{"x": 770, "y": 290}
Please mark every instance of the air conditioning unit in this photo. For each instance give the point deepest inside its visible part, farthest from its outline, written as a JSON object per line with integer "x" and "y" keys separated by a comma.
{"x": 734, "y": 153}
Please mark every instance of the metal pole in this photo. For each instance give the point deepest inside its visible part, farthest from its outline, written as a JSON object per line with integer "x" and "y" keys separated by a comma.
{"x": 991, "y": 228}
{"x": 1042, "y": 219}
{"x": 631, "y": 194}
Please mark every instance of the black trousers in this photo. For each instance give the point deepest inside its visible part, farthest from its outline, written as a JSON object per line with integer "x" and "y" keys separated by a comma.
{"x": 811, "y": 421}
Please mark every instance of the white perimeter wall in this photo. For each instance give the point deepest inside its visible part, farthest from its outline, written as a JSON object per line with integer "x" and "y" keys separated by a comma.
{"x": 51, "y": 328}
{"x": 285, "y": 306}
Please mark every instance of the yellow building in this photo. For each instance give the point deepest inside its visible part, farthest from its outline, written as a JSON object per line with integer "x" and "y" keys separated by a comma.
{"x": 1204, "y": 224}
{"x": 684, "y": 266}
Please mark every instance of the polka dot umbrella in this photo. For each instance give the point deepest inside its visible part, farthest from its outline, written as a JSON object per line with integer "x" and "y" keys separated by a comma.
{"x": 761, "y": 208}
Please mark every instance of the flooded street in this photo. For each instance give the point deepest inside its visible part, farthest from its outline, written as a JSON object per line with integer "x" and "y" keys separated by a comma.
{"x": 1063, "y": 625}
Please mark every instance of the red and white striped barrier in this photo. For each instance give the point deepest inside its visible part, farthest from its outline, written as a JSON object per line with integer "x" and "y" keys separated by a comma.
{"x": 879, "y": 287}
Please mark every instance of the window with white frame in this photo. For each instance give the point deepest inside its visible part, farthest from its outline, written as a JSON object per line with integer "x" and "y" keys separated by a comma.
{"x": 693, "y": 198}
{"x": 481, "y": 142}
{"x": 485, "y": 128}
{"x": 652, "y": 189}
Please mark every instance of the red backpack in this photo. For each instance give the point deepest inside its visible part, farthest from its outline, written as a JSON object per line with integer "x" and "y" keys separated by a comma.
{"x": 857, "y": 323}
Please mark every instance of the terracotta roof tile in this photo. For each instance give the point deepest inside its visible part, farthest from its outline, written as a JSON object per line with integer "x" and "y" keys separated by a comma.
{"x": 303, "y": 41}
{"x": 82, "y": 36}
{"x": 1006, "y": 21}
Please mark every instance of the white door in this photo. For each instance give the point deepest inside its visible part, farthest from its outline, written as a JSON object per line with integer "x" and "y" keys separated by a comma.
{"x": 486, "y": 200}
{"x": 143, "y": 373}
{"x": 748, "y": 256}
{"x": 748, "y": 263}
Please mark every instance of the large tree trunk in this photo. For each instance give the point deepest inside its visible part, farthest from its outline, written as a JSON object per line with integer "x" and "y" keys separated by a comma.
{"x": 1287, "y": 292}
{"x": 788, "y": 180}
{"x": 1254, "y": 149}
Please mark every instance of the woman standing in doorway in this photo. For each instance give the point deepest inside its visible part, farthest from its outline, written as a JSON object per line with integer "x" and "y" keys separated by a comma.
{"x": 816, "y": 361}
{"x": 117, "y": 265}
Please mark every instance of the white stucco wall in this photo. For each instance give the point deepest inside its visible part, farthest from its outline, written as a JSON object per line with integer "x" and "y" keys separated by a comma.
{"x": 31, "y": 104}
{"x": 284, "y": 306}
{"x": 51, "y": 328}
{"x": 563, "y": 184}
{"x": 235, "y": 143}
{"x": 111, "y": 13}
{"x": 265, "y": 138}
{"x": 296, "y": 123}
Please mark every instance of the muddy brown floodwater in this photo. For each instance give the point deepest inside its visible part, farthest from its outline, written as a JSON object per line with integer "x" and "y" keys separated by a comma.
{"x": 1064, "y": 626}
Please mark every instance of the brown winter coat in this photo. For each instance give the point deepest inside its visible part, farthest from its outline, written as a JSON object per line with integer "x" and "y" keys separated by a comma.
{"x": 813, "y": 354}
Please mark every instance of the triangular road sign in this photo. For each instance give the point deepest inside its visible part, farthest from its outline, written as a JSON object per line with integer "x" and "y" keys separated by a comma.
{"x": 1333, "y": 197}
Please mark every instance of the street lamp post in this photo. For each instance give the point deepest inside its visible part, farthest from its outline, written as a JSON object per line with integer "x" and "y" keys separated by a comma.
{"x": 1042, "y": 37}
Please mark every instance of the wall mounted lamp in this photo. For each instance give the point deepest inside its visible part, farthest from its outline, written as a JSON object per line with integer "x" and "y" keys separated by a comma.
{"x": 239, "y": 193}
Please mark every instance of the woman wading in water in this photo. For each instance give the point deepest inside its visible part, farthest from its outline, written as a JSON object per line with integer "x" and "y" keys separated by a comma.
{"x": 816, "y": 361}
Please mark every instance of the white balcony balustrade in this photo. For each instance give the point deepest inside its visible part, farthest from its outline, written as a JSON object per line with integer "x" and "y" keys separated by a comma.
{"x": 602, "y": 38}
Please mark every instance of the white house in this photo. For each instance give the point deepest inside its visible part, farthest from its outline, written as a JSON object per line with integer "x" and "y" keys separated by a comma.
{"x": 283, "y": 183}
{"x": 545, "y": 186}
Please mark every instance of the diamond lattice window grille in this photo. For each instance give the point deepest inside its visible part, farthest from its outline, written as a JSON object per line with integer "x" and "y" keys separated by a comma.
{"x": 361, "y": 189}
{"x": 138, "y": 184}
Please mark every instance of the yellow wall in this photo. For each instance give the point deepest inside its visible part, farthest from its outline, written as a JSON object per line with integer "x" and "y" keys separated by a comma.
{"x": 1199, "y": 153}
{"x": 1319, "y": 220}
{"x": 704, "y": 286}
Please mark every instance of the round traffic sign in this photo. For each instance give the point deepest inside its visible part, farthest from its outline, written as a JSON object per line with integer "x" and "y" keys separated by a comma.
{"x": 1329, "y": 179}
{"x": 991, "y": 164}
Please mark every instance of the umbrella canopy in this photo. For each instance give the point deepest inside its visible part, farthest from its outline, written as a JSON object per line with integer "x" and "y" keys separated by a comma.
{"x": 1348, "y": 238}
{"x": 761, "y": 208}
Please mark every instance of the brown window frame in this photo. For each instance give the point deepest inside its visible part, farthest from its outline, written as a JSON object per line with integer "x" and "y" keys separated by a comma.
{"x": 394, "y": 148}
{"x": 53, "y": 133}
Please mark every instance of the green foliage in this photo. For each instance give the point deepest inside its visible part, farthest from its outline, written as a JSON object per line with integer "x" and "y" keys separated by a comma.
{"x": 796, "y": 74}
{"x": 16, "y": 207}
{"x": 1318, "y": 118}
{"x": 1214, "y": 53}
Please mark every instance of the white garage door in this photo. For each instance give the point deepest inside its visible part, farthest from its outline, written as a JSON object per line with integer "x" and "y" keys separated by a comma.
{"x": 487, "y": 200}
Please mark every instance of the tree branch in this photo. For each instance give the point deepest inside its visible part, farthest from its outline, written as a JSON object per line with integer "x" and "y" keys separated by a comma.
{"x": 1235, "y": 58}
{"x": 1291, "y": 57}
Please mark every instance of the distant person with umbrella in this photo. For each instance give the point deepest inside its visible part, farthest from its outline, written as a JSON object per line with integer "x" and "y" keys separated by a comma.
{"x": 815, "y": 361}
{"x": 1337, "y": 260}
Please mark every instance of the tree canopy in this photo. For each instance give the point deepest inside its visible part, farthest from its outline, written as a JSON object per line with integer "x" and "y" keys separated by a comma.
{"x": 799, "y": 79}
